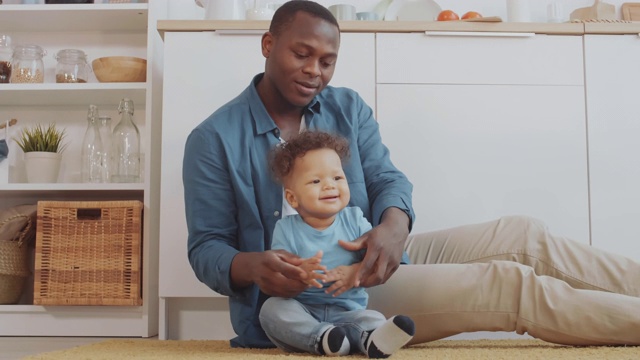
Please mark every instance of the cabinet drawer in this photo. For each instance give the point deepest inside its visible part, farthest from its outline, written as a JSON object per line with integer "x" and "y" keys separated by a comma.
{"x": 475, "y": 58}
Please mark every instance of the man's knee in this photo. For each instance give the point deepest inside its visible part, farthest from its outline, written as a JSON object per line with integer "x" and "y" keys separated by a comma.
{"x": 523, "y": 221}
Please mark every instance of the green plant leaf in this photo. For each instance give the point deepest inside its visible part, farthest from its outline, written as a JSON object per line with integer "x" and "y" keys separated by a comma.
{"x": 38, "y": 138}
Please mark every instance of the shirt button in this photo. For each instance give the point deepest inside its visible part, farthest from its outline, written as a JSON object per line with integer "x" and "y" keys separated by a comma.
{"x": 277, "y": 131}
{"x": 276, "y": 213}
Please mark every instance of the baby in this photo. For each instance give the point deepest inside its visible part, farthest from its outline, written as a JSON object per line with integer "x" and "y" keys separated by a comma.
{"x": 330, "y": 317}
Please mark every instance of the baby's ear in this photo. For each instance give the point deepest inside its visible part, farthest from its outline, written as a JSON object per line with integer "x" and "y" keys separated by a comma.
{"x": 291, "y": 198}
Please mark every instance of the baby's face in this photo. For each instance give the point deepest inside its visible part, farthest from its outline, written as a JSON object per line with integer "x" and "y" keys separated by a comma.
{"x": 318, "y": 185}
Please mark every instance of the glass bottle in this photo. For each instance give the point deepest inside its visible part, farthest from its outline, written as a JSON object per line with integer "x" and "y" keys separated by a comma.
{"x": 72, "y": 66}
{"x": 5, "y": 58}
{"x": 27, "y": 65}
{"x": 125, "y": 145}
{"x": 91, "y": 157}
{"x": 105, "y": 136}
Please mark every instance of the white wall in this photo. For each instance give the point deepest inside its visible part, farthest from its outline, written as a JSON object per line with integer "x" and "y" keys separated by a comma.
{"x": 187, "y": 9}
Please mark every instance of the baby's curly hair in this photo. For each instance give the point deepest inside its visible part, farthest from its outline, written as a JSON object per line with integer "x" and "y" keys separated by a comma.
{"x": 283, "y": 156}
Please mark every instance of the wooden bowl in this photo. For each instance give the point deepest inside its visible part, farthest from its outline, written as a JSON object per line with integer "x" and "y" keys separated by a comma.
{"x": 120, "y": 69}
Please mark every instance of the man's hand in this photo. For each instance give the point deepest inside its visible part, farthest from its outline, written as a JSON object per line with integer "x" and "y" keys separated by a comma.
{"x": 276, "y": 272}
{"x": 384, "y": 244}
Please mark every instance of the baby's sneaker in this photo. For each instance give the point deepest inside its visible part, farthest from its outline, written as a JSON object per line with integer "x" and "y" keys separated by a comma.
{"x": 334, "y": 342}
{"x": 390, "y": 337}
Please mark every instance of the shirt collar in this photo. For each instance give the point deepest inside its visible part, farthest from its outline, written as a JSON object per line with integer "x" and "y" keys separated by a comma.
{"x": 261, "y": 118}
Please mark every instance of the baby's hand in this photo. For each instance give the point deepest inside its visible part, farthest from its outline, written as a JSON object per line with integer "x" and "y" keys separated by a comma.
{"x": 311, "y": 266}
{"x": 344, "y": 278}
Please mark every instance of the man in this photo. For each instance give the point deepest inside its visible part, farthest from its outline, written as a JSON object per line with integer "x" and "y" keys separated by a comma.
{"x": 464, "y": 281}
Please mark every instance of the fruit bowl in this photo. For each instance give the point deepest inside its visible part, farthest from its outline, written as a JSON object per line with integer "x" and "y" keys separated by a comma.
{"x": 120, "y": 69}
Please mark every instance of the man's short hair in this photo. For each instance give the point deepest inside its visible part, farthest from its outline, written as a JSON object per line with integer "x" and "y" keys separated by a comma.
{"x": 285, "y": 14}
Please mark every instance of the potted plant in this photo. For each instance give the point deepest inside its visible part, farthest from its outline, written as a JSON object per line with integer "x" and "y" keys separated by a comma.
{"x": 42, "y": 147}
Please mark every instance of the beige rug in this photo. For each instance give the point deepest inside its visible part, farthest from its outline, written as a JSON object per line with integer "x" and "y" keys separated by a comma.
{"x": 145, "y": 349}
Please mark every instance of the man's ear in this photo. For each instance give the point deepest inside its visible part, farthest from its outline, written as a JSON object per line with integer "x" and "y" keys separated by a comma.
{"x": 267, "y": 44}
{"x": 291, "y": 198}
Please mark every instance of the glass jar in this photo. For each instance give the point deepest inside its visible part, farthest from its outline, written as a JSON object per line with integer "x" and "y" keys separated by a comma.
{"x": 72, "y": 66}
{"x": 5, "y": 58}
{"x": 27, "y": 65}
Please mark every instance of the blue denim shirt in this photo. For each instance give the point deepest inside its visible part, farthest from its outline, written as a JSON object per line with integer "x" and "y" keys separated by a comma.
{"x": 232, "y": 202}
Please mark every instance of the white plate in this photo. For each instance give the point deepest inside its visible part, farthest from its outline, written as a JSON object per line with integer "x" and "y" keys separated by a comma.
{"x": 412, "y": 10}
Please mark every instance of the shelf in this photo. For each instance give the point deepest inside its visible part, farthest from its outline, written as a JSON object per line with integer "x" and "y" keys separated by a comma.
{"x": 73, "y": 17}
{"x": 65, "y": 309}
{"x": 70, "y": 187}
{"x": 71, "y": 94}
{"x": 73, "y": 192}
{"x": 102, "y": 321}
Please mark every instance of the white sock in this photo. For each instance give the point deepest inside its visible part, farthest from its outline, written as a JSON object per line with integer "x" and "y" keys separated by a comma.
{"x": 390, "y": 337}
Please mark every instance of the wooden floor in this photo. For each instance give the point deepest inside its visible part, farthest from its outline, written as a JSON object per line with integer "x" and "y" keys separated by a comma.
{"x": 15, "y": 348}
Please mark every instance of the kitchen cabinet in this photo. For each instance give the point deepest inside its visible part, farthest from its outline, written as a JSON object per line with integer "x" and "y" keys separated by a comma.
{"x": 99, "y": 30}
{"x": 612, "y": 75}
{"x": 483, "y": 134}
{"x": 204, "y": 70}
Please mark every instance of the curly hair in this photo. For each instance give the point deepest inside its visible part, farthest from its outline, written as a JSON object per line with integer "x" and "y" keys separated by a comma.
{"x": 285, "y": 14}
{"x": 283, "y": 156}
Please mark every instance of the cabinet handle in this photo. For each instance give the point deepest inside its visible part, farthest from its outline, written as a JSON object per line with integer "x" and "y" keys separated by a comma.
{"x": 240, "y": 32}
{"x": 479, "y": 34}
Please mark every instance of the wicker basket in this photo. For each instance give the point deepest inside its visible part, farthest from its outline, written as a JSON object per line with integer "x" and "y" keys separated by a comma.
{"x": 88, "y": 253}
{"x": 14, "y": 264}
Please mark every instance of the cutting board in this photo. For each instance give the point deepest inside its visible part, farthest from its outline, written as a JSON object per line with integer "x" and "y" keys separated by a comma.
{"x": 630, "y": 11}
{"x": 599, "y": 10}
{"x": 485, "y": 19}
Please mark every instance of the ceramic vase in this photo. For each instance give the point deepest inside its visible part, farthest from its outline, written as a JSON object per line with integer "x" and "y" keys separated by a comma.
{"x": 42, "y": 167}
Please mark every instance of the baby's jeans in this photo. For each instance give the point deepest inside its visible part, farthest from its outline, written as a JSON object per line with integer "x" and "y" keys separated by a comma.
{"x": 295, "y": 327}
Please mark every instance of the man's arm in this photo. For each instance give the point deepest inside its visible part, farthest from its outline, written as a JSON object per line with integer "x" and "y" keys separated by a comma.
{"x": 275, "y": 272}
{"x": 389, "y": 193}
{"x": 384, "y": 246}
{"x": 210, "y": 210}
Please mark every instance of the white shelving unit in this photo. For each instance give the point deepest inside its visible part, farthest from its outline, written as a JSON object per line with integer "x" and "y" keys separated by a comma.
{"x": 99, "y": 30}
{"x": 70, "y": 94}
{"x": 75, "y": 17}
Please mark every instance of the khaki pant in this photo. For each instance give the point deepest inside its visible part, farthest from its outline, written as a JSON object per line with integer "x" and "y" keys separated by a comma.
{"x": 513, "y": 275}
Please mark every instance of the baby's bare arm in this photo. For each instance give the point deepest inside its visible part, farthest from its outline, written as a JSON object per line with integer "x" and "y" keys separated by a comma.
{"x": 344, "y": 278}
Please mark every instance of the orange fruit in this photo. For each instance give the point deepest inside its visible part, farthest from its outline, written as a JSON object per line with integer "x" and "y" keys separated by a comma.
{"x": 446, "y": 15}
{"x": 471, "y": 15}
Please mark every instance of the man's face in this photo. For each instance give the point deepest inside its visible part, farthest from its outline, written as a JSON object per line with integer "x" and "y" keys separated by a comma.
{"x": 301, "y": 60}
{"x": 317, "y": 187}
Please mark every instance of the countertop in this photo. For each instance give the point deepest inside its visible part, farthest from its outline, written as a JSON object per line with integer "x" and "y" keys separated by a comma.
{"x": 413, "y": 26}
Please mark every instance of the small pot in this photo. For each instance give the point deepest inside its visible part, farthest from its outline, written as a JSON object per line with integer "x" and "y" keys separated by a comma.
{"x": 42, "y": 167}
